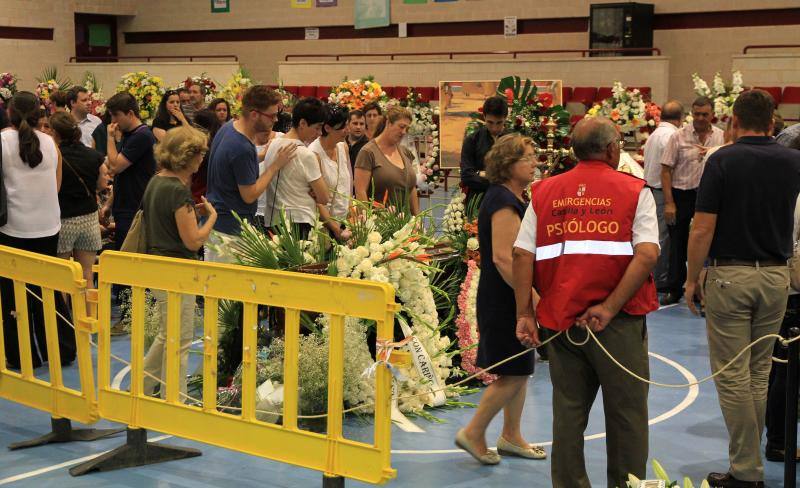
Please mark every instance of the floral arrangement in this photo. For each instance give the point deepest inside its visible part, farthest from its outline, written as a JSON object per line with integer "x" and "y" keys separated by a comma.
{"x": 401, "y": 262}
{"x": 205, "y": 81}
{"x": 354, "y": 94}
{"x": 633, "y": 481}
{"x": 287, "y": 98}
{"x": 234, "y": 89}
{"x": 528, "y": 112}
{"x": 425, "y": 127}
{"x": 98, "y": 102}
{"x": 460, "y": 227}
{"x": 467, "y": 323}
{"x": 146, "y": 89}
{"x": 49, "y": 82}
{"x": 626, "y": 108}
{"x": 8, "y": 86}
{"x": 723, "y": 96}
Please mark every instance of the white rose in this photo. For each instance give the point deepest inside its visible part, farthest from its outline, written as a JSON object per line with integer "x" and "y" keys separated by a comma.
{"x": 374, "y": 237}
{"x": 472, "y": 244}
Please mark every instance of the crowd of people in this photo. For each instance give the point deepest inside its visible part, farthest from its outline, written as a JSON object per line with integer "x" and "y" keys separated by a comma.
{"x": 716, "y": 218}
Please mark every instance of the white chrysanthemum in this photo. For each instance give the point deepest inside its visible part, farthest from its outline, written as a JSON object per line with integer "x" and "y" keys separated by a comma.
{"x": 472, "y": 244}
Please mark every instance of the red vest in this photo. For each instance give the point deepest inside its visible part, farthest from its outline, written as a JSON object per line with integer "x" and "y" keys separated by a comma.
{"x": 583, "y": 242}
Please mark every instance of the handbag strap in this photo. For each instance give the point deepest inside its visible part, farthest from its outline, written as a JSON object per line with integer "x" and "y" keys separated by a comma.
{"x": 796, "y": 228}
{"x": 75, "y": 172}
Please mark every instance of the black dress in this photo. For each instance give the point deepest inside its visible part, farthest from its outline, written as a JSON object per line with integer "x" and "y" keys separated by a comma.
{"x": 496, "y": 306}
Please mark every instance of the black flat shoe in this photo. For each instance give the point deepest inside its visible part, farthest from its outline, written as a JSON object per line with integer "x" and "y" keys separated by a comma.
{"x": 670, "y": 299}
{"x": 726, "y": 480}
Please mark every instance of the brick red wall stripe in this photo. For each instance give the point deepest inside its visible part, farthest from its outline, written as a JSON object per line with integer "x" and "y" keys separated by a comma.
{"x": 29, "y": 33}
{"x": 695, "y": 20}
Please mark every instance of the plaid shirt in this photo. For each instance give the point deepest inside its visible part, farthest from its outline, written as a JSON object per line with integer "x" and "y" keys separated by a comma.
{"x": 682, "y": 155}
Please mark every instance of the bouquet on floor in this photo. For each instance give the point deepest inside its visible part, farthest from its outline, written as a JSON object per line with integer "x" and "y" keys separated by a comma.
{"x": 354, "y": 94}
{"x": 722, "y": 95}
{"x": 626, "y": 108}
{"x": 234, "y": 90}
{"x": 204, "y": 81}
{"x": 48, "y": 83}
{"x": 8, "y": 86}
{"x": 146, "y": 89}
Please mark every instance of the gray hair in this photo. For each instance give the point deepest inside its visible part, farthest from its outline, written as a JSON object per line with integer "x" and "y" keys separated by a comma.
{"x": 592, "y": 136}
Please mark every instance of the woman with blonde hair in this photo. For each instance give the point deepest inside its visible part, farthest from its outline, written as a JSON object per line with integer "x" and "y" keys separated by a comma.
{"x": 385, "y": 168}
{"x": 510, "y": 166}
{"x": 172, "y": 230}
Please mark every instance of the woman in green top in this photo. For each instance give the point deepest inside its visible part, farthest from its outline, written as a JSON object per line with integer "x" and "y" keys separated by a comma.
{"x": 172, "y": 230}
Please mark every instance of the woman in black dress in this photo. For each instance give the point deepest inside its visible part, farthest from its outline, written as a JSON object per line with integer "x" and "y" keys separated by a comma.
{"x": 510, "y": 167}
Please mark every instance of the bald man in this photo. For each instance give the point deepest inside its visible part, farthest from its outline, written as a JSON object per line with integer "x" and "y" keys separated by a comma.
{"x": 671, "y": 116}
{"x": 588, "y": 243}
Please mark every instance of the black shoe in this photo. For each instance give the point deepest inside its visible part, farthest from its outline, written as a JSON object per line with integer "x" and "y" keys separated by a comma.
{"x": 670, "y": 298}
{"x": 777, "y": 455}
{"x": 726, "y": 480}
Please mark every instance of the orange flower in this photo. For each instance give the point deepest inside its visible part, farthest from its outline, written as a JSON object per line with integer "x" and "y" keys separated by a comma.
{"x": 395, "y": 254}
{"x": 423, "y": 257}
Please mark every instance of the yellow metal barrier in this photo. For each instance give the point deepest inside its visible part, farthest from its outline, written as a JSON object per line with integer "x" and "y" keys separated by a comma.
{"x": 52, "y": 275}
{"x": 330, "y": 453}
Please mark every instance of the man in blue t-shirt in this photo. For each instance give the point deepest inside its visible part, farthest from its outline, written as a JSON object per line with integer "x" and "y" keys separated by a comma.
{"x": 133, "y": 165}
{"x": 233, "y": 181}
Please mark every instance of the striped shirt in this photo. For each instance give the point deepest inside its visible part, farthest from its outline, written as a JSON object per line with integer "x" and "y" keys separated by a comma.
{"x": 683, "y": 156}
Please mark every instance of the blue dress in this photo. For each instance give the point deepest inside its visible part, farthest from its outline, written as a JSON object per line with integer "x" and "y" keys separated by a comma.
{"x": 496, "y": 307}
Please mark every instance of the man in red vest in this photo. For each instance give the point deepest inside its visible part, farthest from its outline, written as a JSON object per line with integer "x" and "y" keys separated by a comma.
{"x": 588, "y": 243}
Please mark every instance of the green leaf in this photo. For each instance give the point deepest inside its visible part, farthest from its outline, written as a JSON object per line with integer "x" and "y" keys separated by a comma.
{"x": 687, "y": 483}
{"x": 659, "y": 471}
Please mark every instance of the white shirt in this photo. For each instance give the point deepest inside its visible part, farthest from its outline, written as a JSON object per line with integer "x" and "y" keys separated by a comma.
{"x": 87, "y": 126}
{"x": 645, "y": 224}
{"x": 33, "y": 209}
{"x": 262, "y": 166}
{"x": 337, "y": 177}
{"x": 654, "y": 153}
{"x": 289, "y": 189}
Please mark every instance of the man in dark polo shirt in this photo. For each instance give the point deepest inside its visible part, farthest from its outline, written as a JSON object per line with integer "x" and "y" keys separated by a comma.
{"x": 356, "y": 135}
{"x": 743, "y": 224}
{"x": 477, "y": 144}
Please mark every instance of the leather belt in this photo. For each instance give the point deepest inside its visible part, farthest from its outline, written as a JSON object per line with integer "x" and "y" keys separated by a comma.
{"x": 753, "y": 264}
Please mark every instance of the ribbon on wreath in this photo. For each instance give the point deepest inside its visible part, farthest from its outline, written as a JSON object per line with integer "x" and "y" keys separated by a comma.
{"x": 424, "y": 365}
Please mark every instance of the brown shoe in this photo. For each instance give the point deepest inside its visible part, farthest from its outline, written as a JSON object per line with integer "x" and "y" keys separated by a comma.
{"x": 726, "y": 480}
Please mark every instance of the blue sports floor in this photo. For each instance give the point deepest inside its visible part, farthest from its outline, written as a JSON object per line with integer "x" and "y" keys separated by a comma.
{"x": 687, "y": 435}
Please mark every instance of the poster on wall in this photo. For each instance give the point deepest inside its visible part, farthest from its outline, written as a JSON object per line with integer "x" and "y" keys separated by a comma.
{"x": 415, "y": 1}
{"x": 509, "y": 26}
{"x": 219, "y": 6}
{"x": 301, "y": 3}
{"x": 327, "y": 3}
{"x": 459, "y": 100}
{"x": 371, "y": 13}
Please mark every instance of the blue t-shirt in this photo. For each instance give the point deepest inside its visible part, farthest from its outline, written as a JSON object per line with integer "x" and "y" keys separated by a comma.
{"x": 232, "y": 162}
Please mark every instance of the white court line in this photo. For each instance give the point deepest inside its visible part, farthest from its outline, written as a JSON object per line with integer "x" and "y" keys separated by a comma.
{"x": 66, "y": 464}
{"x": 663, "y": 307}
{"x": 690, "y": 397}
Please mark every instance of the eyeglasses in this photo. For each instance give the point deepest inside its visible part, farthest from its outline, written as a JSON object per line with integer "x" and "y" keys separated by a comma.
{"x": 269, "y": 116}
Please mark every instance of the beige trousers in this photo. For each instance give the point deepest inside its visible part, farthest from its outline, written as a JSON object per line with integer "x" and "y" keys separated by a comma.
{"x": 742, "y": 304}
{"x": 155, "y": 361}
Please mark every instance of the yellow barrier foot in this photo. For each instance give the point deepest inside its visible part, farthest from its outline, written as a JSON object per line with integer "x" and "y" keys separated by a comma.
{"x": 332, "y": 481}
{"x": 63, "y": 432}
{"x": 136, "y": 452}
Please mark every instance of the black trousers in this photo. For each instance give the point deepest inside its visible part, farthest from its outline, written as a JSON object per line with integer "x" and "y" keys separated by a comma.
{"x": 66, "y": 335}
{"x": 679, "y": 238}
{"x": 776, "y": 395}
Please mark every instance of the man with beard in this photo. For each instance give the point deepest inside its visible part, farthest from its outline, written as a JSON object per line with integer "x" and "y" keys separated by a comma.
{"x": 233, "y": 180}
